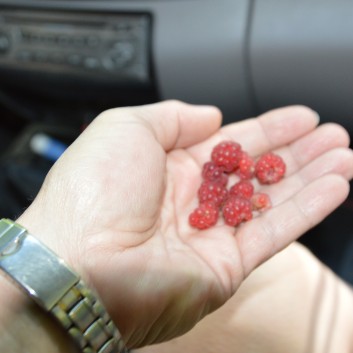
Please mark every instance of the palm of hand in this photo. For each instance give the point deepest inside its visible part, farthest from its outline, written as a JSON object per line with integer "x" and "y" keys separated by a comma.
{"x": 156, "y": 275}
{"x": 140, "y": 249}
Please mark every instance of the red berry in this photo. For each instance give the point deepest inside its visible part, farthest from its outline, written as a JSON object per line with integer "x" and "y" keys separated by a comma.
{"x": 227, "y": 155}
{"x": 243, "y": 188}
{"x": 261, "y": 202}
{"x": 246, "y": 168}
{"x": 213, "y": 172}
{"x": 212, "y": 191}
{"x": 204, "y": 216}
{"x": 270, "y": 168}
{"x": 236, "y": 210}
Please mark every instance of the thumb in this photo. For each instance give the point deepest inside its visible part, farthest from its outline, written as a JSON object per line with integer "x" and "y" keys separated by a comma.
{"x": 173, "y": 123}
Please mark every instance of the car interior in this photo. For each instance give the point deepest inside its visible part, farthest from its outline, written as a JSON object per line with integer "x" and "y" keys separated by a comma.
{"x": 62, "y": 62}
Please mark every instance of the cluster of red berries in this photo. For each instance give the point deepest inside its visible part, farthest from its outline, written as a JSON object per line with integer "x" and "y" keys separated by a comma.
{"x": 238, "y": 203}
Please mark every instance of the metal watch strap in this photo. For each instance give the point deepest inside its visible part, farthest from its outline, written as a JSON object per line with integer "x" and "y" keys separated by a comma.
{"x": 59, "y": 290}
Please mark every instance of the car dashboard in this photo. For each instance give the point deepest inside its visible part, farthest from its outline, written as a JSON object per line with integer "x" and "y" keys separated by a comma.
{"x": 243, "y": 56}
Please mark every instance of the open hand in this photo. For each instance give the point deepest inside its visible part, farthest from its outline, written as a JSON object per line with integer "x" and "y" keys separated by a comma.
{"x": 115, "y": 206}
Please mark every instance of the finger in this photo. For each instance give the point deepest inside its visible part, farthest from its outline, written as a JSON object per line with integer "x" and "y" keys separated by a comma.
{"x": 267, "y": 132}
{"x": 310, "y": 146}
{"x": 274, "y": 128}
{"x": 266, "y": 235}
{"x": 338, "y": 161}
{"x": 179, "y": 125}
{"x": 296, "y": 155}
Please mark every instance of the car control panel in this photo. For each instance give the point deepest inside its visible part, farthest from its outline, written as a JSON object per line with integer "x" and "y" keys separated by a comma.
{"x": 106, "y": 46}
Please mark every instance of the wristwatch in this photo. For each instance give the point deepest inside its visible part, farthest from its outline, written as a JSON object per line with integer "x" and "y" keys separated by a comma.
{"x": 58, "y": 290}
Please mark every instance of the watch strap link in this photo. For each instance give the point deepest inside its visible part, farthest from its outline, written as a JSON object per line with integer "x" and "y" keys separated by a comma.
{"x": 87, "y": 322}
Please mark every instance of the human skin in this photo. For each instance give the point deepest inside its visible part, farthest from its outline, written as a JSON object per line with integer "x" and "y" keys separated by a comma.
{"x": 292, "y": 303}
{"x": 115, "y": 207}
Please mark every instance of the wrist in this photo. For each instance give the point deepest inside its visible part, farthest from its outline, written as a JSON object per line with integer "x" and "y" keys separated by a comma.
{"x": 338, "y": 321}
{"x": 12, "y": 301}
{"x": 56, "y": 234}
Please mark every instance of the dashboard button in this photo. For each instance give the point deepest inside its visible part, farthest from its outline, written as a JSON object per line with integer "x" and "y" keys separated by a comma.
{"x": 122, "y": 53}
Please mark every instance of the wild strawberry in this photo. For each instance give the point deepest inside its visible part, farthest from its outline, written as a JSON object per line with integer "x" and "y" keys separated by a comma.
{"x": 246, "y": 167}
{"x": 260, "y": 202}
{"x": 236, "y": 210}
{"x": 204, "y": 216}
{"x": 227, "y": 155}
{"x": 270, "y": 168}
{"x": 212, "y": 172}
{"x": 212, "y": 191}
{"x": 243, "y": 188}
{"x": 239, "y": 202}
